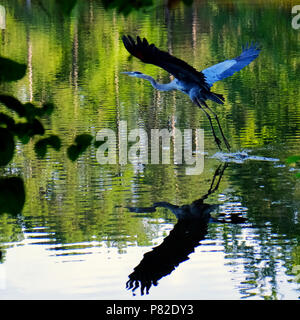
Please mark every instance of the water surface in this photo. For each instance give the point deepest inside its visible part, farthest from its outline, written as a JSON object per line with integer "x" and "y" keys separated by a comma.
{"x": 85, "y": 227}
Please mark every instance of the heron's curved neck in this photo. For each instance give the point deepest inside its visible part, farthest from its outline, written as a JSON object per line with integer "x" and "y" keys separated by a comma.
{"x": 160, "y": 86}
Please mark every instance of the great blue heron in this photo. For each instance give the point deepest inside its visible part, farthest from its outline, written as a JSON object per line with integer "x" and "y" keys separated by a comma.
{"x": 187, "y": 79}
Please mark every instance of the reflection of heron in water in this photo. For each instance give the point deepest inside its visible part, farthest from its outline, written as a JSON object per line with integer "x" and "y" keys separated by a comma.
{"x": 189, "y": 230}
{"x": 187, "y": 79}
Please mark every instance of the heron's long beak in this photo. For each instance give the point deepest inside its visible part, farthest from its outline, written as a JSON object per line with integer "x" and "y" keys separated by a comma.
{"x": 132, "y": 73}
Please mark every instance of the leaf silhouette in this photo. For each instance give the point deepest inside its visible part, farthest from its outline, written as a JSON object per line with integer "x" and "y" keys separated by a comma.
{"x": 66, "y": 6}
{"x": 41, "y": 146}
{"x": 47, "y": 109}
{"x": 7, "y": 121}
{"x": 126, "y": 6}
{"x": 82, "y": 142}
{"x": 12, "y": 195}
{"x": 7, "y": 146}
{"x": 13, "y": 104}
{"x": 11, "y": 70}
{"x": 26, "y": 130}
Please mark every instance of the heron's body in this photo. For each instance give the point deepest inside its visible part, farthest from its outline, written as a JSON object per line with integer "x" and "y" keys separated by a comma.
{"x": 187, "y": 79}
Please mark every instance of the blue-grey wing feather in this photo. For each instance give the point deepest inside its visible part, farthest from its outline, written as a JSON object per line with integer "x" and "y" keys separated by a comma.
{"x": 227, "y": 68}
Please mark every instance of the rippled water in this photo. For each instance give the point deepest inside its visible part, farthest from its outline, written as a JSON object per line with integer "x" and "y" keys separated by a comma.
{"x": 86, "y": 227}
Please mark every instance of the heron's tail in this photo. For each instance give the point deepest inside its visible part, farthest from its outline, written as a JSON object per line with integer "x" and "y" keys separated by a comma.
{"x": 218, "y": 98}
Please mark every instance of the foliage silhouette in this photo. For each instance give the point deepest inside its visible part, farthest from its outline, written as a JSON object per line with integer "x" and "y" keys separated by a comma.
{"x": 40, "y": 147}
{"x": 23, "y": 130}
{"x": 126, "y": 6}
{"x": 7, "y": 146}
{"x": 13, "y": 104}
{"x": 81, "y": 143}
{"x": 12, "y": 195}
{"x": 12, "y": 191}
{"x": 11, "y": 70}
{"x": 66, "y": 6}
{"x": 27, "y": 110}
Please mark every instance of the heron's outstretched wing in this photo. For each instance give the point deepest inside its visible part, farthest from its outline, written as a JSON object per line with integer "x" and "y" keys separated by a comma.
{"x": 151, "y": 54}
{"x": 227, "y": 68}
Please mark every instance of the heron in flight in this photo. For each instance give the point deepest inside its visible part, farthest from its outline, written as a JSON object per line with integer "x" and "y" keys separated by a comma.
{"x": 188, "y": 80}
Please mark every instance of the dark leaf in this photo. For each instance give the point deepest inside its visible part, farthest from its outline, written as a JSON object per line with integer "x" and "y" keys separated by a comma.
{"x": 6, "y": 120}
{"x": 12, "y": 195}
{"x": 97, "y": 144}
{"x": 73, "y": 152}
{"x": 47, "y": 108}
{"x": 126, "y": 6}
{"x": 7, "y": 146}
{"x": 13, "y": 104}
{"x": 11, "y": 70}
{"x": 26, "y": 130}
{"x": 22, "y": 131}
{"x": 41, "y": 146}
{"x": 66, "y": 6}
{"x": 54, "y": 142}
{"x": 36, "y": 127}
{"x": 83, "y": 140}
{"x": 30, "y": 111}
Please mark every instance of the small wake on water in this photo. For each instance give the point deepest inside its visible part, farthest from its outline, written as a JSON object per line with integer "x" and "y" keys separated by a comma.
{"x": 240, "y": 157}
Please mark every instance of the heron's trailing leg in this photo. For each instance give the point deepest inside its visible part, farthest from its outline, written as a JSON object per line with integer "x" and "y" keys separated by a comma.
{"x": 213, "y": 186}
{"x": 211, "y": 189}
{"x": 217, "y": 140}
{"x": 219, "y": 125}
{"x": 219, "y": 172}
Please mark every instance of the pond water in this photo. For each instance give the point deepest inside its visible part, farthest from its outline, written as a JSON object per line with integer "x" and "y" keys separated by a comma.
{"x": 85, "y": 226}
